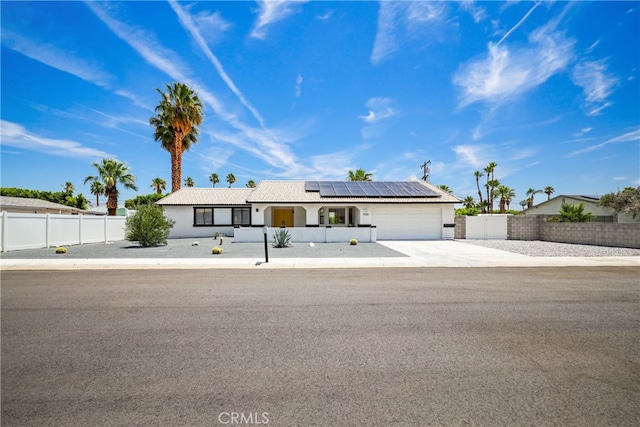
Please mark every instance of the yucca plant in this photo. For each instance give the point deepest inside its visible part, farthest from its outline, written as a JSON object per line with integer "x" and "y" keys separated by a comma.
{"x": 281, "y": 238}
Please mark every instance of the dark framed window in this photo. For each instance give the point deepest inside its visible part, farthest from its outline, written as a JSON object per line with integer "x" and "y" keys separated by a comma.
{"x": 221, "y": 216}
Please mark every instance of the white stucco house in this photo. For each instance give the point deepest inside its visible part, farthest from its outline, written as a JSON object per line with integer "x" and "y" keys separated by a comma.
{"x": 316, "y": 211}
{"x": 600, "y": 213}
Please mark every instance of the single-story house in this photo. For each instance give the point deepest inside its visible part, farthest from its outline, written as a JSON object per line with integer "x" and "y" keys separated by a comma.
{"x": 316, "y": 210}
{"x": 600, "y": 213}
{"x": 25, "y": 205}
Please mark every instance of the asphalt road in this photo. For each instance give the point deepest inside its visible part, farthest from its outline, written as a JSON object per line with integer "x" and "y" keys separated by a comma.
{"x": 363, "y": 347}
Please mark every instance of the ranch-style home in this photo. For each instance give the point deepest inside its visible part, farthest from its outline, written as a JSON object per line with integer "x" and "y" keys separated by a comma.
{"x": 315, "y": 211}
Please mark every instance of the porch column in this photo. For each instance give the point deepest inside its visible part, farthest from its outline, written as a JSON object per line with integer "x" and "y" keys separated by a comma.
{"x": 311, "y": 214}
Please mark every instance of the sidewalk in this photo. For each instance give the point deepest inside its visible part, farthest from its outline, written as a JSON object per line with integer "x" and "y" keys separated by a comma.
{"x": 437, "y": 253}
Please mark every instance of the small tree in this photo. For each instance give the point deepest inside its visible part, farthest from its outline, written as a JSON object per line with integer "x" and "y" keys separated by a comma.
{"x": 148, "y": 226}
{"x": 626, "y": 201}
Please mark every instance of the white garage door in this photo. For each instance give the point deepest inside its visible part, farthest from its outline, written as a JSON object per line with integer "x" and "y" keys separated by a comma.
{"x": 407, "y": 222}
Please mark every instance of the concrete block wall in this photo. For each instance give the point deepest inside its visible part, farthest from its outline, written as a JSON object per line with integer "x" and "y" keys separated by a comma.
{"x": 524, "y": 227}
{"x": 623, "y": 235}
{"x": 461, "y": 227}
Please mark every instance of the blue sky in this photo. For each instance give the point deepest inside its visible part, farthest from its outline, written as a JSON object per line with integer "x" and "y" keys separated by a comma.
{"x": 308, "y": 90}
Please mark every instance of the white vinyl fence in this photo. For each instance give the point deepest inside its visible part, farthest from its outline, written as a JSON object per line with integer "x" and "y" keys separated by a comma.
{"x": 33, "y": 231}
{"x": 485, "y": 227}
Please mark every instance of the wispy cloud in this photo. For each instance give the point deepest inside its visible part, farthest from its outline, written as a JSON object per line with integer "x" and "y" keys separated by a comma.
{"x": 597, "y": 84}
{"x": 16, "y": 135}
{"x": 272, "y": 11}
{"x": 400, "y": 20}
{"x": 379, "y": 109}
{"x": 192, "y": 27}
{"x": 477, "y": 156}
{"x": 478, "y": 13}
{"x": 520, "y": 22}
{"x": 57, "y": 58}
{"x": 507, "y": 72}
{"x": 298, "y": 86}
{"x": 633, "y": 135}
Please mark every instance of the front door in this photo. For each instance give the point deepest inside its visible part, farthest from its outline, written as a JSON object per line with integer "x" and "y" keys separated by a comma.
{"x": 282, "y": 217}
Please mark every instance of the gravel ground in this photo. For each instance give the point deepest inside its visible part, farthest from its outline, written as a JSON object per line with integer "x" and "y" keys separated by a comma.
{"x": 184, "y": 248}
{"x": 537, "y": 248}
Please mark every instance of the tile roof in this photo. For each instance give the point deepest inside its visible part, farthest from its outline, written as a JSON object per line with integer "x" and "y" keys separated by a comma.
{"x": 23, "y": 202}
{"x": 294, "y": 192}
{"x": 207, "y": 196}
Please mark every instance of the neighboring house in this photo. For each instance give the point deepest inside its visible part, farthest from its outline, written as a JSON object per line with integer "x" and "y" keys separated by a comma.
{"x": 102, "y": 210}
{"x": 398, "y": 210}
{"x": 600, "y": 213}
{"x": 24, "y": 205}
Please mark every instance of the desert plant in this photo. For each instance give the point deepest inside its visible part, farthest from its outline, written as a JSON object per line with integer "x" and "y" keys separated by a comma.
{"x": 148, "y": 226}
{"x": 281, "y": 238}
{"x": 353, "y": 242}
{"x": 61, "y": 250}
{"x": 216, "y": 251}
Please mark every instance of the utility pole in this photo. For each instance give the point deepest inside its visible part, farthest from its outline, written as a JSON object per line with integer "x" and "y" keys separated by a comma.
{"x": 426, "y": 170}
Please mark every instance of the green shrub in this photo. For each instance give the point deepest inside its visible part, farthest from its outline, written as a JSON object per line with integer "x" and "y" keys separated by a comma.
{"x": 145, "y": 199}
{"x": 149, "y": 226}
{"x": 572, "y": 213}
{"x": 353, "y": 242}
{"x": 61, "y": 250}
{"x": 468, "y": 211}
{"x": 216, "y": 251}
{"x": 281, "y": 238}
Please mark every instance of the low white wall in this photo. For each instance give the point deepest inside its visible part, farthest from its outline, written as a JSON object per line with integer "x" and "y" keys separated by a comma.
{"x": 308, "y": 234}
{"x": 33, "y": 231}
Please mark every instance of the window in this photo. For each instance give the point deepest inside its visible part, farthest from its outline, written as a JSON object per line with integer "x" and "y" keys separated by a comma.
{"x": 221, "y": 216}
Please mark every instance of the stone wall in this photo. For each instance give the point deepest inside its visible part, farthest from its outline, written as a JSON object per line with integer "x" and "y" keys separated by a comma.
{"x": 461, "y": 227}
{"x": 537, "y": 227}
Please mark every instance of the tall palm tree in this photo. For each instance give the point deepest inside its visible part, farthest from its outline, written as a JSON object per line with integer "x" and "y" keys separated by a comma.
{"x": 111, "y": 173}
{"x": 490, "y": 169}
{"x": 493, "y": 191}
{"x": 479, "y": 174}
{"x": 189, "y": 182}
{"x": 445, "y": 187}
{"x": 251, "y": 184}
{"x": 159, "y": 185}
{"x": 68, "y": 187}
{"x": 549, "y": 191}
{"x": 231, "y": 179}
{"x": 176, "y": 122}
{"x": 97, "y": 189}
{"x": 359, "y": 175}
{"x": 532, "y": 192}
{"x": 509, "y": 196}
{"x": 214, "y": 178}
{"x": 506, "y": 195}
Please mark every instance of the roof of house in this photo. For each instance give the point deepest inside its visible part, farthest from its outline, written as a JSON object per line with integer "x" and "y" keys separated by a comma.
{"x": 287, "y": 192}
{"x": 25, "y": 203}
{"x": 580, "y": 198}
{"x": 207, "y": 196}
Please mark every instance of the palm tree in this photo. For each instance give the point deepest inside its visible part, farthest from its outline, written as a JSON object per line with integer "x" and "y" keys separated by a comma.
{"x": 214, "y": 178}
{"x": 159, "y": 185}
{"x": 111, "y": 173}
{"x": 177, "y": 116}
{"x": 493, "y": 191}
{"x": 189, "y": 182}
{"x": 251, "y": 184}
{"x": 490, "y": 169}
{"x": 506, "y": 195}
{"x": 97, "y": 189}
{"x": 532, "y": 192}
{"x": 68, "y": 187}
{"x": 509, "y": 196}
{"x": 549, "y": 191}
{"x": 359, "y": 175}
{"x": 479, "y": 174}
{"x": 445, "y": 187}
{"x": 231, "y": 179}
{"x": 468, "y": 202}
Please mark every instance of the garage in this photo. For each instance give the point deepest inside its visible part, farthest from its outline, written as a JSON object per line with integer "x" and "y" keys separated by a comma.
{"x": 407, "y": 222}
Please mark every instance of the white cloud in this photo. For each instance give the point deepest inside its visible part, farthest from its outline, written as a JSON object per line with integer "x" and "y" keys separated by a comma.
{"x": 592, "y": 76}
{"x": 188, "y": 23}
{"x": 273, "y": 11}
{"x": 398, "y": 20}
{"x": 15, "y": 135}
{"x": 298, "y": 86}
{"x": 56, "y": 57}
{"x": 633, "y": 135}
{"x": 478, "y": 13}
{"x": 379, "y": 109}
{"x": 505, "y": 73}
{"x": 472, "y": 155}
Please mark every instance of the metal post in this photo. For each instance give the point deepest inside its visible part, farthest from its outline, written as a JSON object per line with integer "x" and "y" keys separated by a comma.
{"x": 265, "y": 231}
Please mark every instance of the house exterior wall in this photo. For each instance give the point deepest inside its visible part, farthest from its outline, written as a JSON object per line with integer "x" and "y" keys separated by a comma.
{"x": 552, "y": 207}
{"x": 183, "y": 216}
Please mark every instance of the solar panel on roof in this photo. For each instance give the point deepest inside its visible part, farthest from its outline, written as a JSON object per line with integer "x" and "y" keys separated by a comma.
{"x": 387, "y": 189}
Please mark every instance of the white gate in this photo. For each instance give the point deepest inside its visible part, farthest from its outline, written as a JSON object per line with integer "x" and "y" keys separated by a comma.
{"x": 486, "y": 227}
